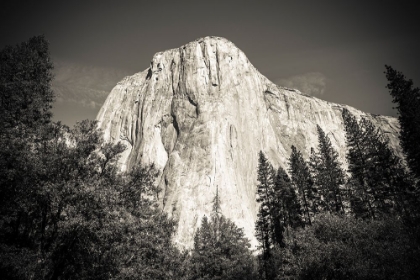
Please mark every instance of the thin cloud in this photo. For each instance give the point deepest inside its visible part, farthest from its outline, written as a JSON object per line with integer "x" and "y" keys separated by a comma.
{"x": 80, "y": 95}
{"x": 87, "y": 86}
{"x": 312, "y": 83}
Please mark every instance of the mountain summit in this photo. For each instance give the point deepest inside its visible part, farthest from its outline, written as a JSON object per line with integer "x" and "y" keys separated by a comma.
{"x": 201, "y": 113}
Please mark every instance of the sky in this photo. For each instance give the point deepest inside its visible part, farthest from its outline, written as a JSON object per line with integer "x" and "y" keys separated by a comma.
{"x": 334, "y": 50}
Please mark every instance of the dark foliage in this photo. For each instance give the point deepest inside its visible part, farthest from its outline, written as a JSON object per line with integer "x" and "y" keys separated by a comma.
{"x": 302, "y": 179}
{"x": 65, "y": 211}
{"x": 265, "y": 196}
{"x": 340, "y": 247}
{"x": 25, "y": 93}
{"x": 72, "y": 216}
{"x": 267, "y": 227}
{"x": 287, "y": 210}
{"x": 328, "y": 175}
{"x": 379, "y": 237}
{"x": 379, "y": 183}
{"x": 221, "y": 250}
{"x": 407, "y": 100}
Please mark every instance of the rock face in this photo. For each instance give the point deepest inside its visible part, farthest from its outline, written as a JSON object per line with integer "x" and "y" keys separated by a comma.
{"x": 201, "y": 113}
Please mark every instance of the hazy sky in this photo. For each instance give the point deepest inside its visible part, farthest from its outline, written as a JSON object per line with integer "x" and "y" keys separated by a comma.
{"x": 335, "y": 50}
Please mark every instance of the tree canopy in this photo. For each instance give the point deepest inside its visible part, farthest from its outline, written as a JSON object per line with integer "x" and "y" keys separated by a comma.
{"x": 65, "y": 210}
{"x": 221, "y": 250}
{"x": 25, "y": 93}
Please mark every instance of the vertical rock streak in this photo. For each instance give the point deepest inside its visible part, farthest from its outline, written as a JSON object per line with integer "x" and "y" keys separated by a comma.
{"x": 201, "y": 113}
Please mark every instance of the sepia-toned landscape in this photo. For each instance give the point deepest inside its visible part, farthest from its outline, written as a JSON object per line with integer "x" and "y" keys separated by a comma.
{"x": 173, "y": 155}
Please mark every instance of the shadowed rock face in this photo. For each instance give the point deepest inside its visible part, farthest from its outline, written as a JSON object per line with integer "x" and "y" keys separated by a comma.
{"x": 201, "y": 113}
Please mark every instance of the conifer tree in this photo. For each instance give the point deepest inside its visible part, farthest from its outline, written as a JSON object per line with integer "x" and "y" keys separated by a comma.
{"x": 327, "y": 173}
{"x": 265, "y": 196}
{"x": 362, "y": 196}
{"x": 407, "y": 99}
{"x": 397, "y": 185}
{"x": 302, "y": 179}
{"x": 268, "y": 233}
{"x": 288, "y": 210}
{"x": 221, "y": 250}
{"x": 216, "y": 203}
{"x": 380, "y": 183}
{"x": 203, "y": 250}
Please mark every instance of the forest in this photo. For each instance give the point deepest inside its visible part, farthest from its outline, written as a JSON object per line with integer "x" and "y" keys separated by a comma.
{"x": 66, "y": 212}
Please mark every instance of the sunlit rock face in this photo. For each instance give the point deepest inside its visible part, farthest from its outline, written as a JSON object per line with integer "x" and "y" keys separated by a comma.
{"x": 201, "y": 113}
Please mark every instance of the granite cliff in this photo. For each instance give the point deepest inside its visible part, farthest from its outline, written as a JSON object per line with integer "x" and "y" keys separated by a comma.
{"x": 201, "y": 113}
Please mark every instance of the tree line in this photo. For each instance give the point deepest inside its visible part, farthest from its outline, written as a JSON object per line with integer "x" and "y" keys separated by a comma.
{"x": 65, "y": 210}
{"x": 323, "y": 222}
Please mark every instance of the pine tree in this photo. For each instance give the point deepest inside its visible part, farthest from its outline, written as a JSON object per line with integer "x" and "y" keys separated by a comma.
{"x": 379, "y": 182}
{"x": 302, "y": 179}
{"x": 395, "y": 185}
{"x": 221, "y": 250}
{"x": 287, "y": 208}
{"x": 265, "y": 196}
{"x": 407, "y": 99}
{"x": 203, "y": 253}
{"x": 327, "y": 173}
{"x": 216, "y": 203}
{"x": 268, "y": 231}
{"x": 398, "y": 184}
{"x": 363, "y": 196}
